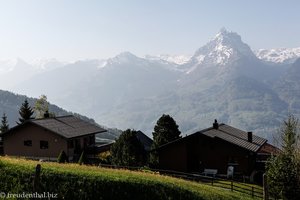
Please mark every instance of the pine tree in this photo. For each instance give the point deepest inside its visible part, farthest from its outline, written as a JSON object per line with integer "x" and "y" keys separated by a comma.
{"x": 25, "y": 112}
{"x": 4, "y": 124}
{"x": 165, "y": 130}
{"x": 283, "y": 173}
{"x": 128, "y": 150}
{"x": 62, "y": 158}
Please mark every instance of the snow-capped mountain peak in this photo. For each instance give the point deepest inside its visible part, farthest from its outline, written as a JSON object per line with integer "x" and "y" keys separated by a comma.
{"x": 227, "y": 37}
{"x": 225, "y": 47}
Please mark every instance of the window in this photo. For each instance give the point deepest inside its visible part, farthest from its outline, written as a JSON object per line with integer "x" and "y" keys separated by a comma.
{"x": 28, "y": 143}
{"x": 43, "y": 144}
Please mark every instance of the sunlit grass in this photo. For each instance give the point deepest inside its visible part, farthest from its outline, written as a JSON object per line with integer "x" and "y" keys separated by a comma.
{"x": 203, "y": 191}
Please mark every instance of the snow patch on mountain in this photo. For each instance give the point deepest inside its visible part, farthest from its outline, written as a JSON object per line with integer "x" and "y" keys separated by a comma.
{"x": 278, "y": 55}
{"x": 176, "y": 59}
{"x": 200, "y": 58}
{"x": 102, "y": 64}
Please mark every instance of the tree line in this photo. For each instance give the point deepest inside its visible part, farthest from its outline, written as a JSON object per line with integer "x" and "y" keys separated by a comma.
{"x": 26, "y": 112}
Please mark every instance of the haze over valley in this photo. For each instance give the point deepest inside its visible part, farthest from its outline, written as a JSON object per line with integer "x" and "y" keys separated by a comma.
{"x": 224, "y": 80}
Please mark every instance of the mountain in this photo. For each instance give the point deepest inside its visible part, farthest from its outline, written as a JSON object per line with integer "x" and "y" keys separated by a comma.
{"x": 280, "y": 55}
{"x": 225, "y": 58}
{"x": 60, "y": 81}
{"x": 10, "y": 104}
{"x": 96, "y": 88}
{"x": 14, "y": 72}
{"x": 223, "y": 49}
{"x": 225, "y": 80}
{"x": 288, "y": 87}
{"x": 222, "y": 80}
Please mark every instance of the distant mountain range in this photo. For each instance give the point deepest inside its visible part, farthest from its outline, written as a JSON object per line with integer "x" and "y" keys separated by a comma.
{"x": 280, "y": 55}
{"x": 222, "y": 80}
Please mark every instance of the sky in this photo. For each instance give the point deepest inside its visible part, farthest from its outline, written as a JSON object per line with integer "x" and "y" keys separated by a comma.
{"x": 70, "y": 30}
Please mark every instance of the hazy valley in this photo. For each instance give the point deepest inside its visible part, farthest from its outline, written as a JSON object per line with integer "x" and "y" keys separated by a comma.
{"x": 222, "y": 80}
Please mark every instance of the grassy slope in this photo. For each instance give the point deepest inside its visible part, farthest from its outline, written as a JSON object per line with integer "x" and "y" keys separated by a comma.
{"x": 110, "y": 176}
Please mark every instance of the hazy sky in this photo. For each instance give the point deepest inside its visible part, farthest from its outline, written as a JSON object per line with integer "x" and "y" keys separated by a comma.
{"x": 78, "y": 29}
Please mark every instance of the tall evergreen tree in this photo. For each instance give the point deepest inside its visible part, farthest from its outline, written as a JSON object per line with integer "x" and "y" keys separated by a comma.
{"x": 4, "y": 124}
{"x": 283, "y": 172}
{"x": 25, "y": 112}
{"x": 128, "y": 150}
{"x": 165, "y": 130}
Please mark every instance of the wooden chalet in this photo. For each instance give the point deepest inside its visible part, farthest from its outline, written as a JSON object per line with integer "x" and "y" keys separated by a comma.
{"x": 45, "y": 138}
{"x": 218, "y": 149}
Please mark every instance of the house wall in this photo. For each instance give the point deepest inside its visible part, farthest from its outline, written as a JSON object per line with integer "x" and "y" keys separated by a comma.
{"x": 173, "y": 158}
{"x": 13, "y": 143}
{"x": 219, "y": 154}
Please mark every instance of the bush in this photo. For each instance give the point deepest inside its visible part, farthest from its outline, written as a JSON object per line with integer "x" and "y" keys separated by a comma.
{"x": 105, "y": 157}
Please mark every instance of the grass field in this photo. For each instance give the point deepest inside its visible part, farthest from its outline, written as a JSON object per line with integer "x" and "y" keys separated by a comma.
{"x": 250, "y": 189}
{"x": 88, "y": 182}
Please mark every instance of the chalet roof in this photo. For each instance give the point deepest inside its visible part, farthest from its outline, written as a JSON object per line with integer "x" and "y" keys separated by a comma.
{"x": 145, "y": 140}
{"x": 235, "y": 136}
{"x": 66, "y": 126}
{"x": 229, "y": 134}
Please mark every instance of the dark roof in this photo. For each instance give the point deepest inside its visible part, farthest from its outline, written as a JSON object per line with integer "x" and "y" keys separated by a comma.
{"x": 145, "y": 140}
{"x": 229, "y": 134}
{"x": 235, "y": 136}
{"x": 66, "y": 126}
{"x": 104, "y": 145}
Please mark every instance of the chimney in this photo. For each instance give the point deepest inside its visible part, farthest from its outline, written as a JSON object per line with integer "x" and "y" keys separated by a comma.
{"x": 250, "y": 137}
{"x": 215, "y": 124}
{"x": 46, "y": 114}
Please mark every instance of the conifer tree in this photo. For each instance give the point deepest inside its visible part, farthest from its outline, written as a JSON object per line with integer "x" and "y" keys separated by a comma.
{"x": 283, "y": 171}
{"x": 4, "y": 124}
{"x": 165, "y": 130}
{"x": 25, "y": 112}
